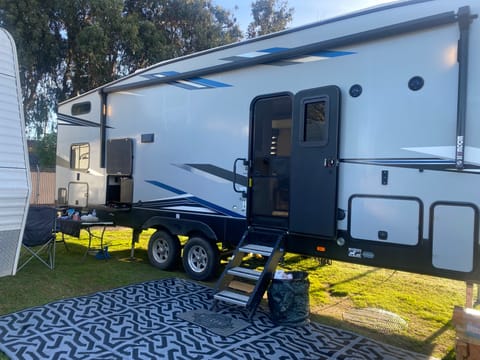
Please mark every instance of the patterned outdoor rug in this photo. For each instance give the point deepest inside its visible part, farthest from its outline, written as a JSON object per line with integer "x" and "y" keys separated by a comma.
{"x": 219, "y": 324}
{"x": 142, "y": 322}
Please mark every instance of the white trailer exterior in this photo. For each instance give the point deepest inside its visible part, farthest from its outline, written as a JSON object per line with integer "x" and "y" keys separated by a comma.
{"x": 360, "y": 134}
{"x": 14, "y": 171}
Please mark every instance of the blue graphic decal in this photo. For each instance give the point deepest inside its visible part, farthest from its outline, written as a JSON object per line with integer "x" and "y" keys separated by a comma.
{"x": 309, "y": 57}
{"x": 210, "y": 83}
{"x": 166, "y": 187}
{"x": 331, "y": 54}
{"x": 273, "y": 50}
{"x": 196, "y": 83}
{"x": 423, "y": 163}
{"x": 204, "y": 203}
{"x": 168, "y": 73}
{"x": 407, "y": 161}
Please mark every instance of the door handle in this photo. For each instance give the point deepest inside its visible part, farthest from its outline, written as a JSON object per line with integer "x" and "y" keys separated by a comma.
{"x": 245, "y": 163}
{"x": 329, "y": 163}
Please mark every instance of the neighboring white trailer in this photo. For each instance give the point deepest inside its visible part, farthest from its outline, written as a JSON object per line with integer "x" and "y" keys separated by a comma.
{"x": 360, "y": 134}
{"x": 14, "y": 171}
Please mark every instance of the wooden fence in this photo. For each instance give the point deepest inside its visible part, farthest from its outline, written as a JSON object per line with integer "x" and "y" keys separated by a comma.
{"x": 43, "y": 188}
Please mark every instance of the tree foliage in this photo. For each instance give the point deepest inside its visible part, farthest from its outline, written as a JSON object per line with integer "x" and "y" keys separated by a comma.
{"x": 172, "y": 28}
{"x": 45, "y": 150}
{"x": 269, "y": 16}
{"x": 39, "y": 47}
{"x": 68, "y": 47}
{"x": 93, "y": 36}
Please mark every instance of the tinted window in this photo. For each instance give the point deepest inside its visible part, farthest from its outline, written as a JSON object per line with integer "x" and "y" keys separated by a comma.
{"x": 81, "y": 108}
{"x": 315, "y": 122}
{"x": 80, "y": 156}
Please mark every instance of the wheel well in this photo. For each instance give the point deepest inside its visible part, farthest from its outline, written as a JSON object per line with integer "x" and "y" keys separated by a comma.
{"x": 197, "y": 233}
{"x": 183, "y": 227}
{"x": 161, "y": 228}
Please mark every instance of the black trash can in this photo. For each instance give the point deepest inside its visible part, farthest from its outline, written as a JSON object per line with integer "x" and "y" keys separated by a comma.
{"x": 288, "y": 299}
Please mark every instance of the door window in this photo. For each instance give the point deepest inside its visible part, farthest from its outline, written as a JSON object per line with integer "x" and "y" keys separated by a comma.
{"x": 80, "y": 156}
{"x": 315, "y": 125}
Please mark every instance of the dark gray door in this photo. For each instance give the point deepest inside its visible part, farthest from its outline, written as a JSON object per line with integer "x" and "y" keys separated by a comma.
{"x": 313, "y": 162}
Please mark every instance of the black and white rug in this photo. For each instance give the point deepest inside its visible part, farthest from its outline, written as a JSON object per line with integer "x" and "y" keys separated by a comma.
{"x": 141, "y": 322}
{"x": 220, "y": 324}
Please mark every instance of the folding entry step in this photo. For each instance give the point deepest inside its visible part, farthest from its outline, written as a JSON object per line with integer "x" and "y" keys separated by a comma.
{"x": 244, "y": 285}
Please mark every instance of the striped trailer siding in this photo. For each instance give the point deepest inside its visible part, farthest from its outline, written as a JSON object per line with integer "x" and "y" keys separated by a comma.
{"x": 14, "y": 171}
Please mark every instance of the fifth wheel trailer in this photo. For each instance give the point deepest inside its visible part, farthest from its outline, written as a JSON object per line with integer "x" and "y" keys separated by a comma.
{"x": 357, "y": 138}
{"x": 14, "y": 170}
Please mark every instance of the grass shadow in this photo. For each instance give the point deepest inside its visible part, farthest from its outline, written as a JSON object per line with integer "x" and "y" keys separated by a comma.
{"x": 426, "y": 347}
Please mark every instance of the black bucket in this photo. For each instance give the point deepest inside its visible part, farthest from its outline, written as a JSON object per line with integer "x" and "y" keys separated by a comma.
{"x": 288, "y": 299}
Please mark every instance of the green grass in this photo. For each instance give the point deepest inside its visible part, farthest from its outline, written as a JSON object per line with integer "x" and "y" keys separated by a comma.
{"x": 75, "y": 275}
{"x": 426, "y": 303}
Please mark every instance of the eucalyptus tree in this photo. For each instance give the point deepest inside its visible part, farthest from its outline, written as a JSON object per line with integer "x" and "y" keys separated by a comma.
{"x": 33, "y": 25}
{"x": 68, "y": 47}
{"x": 172, "y": 28}
{"x": 269, "y": 16}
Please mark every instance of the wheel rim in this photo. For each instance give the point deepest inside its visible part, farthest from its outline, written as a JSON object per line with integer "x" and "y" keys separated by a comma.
{"x": 197, "y": 259}
{"x": 161, "y": 250}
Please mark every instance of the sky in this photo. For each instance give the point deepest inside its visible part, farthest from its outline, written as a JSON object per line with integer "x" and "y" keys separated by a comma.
{"x": 306, "y": 11}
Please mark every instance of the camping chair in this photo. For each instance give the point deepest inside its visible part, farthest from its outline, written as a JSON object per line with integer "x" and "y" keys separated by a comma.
{"x": 39, "y": 235}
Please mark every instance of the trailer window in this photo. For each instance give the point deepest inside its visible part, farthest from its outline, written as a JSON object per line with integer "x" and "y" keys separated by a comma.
{"x": 81, "y": 108}
{"x": 315, "y": 122}
{"x": 80, "y": 156}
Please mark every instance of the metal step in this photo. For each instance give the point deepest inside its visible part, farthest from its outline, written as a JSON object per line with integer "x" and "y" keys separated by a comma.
{"x": 244, "y": 273}
{"x": 232, "y": 297}
{"x": 257, "y": 249}
{"x": 244, "y": 286}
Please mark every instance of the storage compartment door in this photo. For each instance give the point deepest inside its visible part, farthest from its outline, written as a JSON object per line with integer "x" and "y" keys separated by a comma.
{"x": 120, "y": 157}
{"x": 126, "y": 190}
{"x": 78, "y": 195}
{"x": 385, "y": 219}
{"x": 453, "y": 236}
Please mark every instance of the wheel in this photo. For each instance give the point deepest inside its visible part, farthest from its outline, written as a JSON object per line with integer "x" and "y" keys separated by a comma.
{"x": 164, "y": 250}
{"x": 201, "y": 258}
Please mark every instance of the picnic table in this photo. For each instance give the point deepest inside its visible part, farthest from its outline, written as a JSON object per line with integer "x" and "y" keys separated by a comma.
{"x": 68, "y": 226}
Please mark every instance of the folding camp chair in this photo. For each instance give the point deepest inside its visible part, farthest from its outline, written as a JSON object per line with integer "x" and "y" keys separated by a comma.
{"x": 39, "y": 235}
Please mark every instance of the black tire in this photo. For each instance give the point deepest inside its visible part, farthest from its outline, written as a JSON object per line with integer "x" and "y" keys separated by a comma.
{"x": 164, "y": 250}
{"x": 201, "y": 259}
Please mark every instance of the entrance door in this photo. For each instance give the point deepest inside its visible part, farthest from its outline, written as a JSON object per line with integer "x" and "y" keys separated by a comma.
{"x": 270, "y": 161}
{"x": 313, "y": 191}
